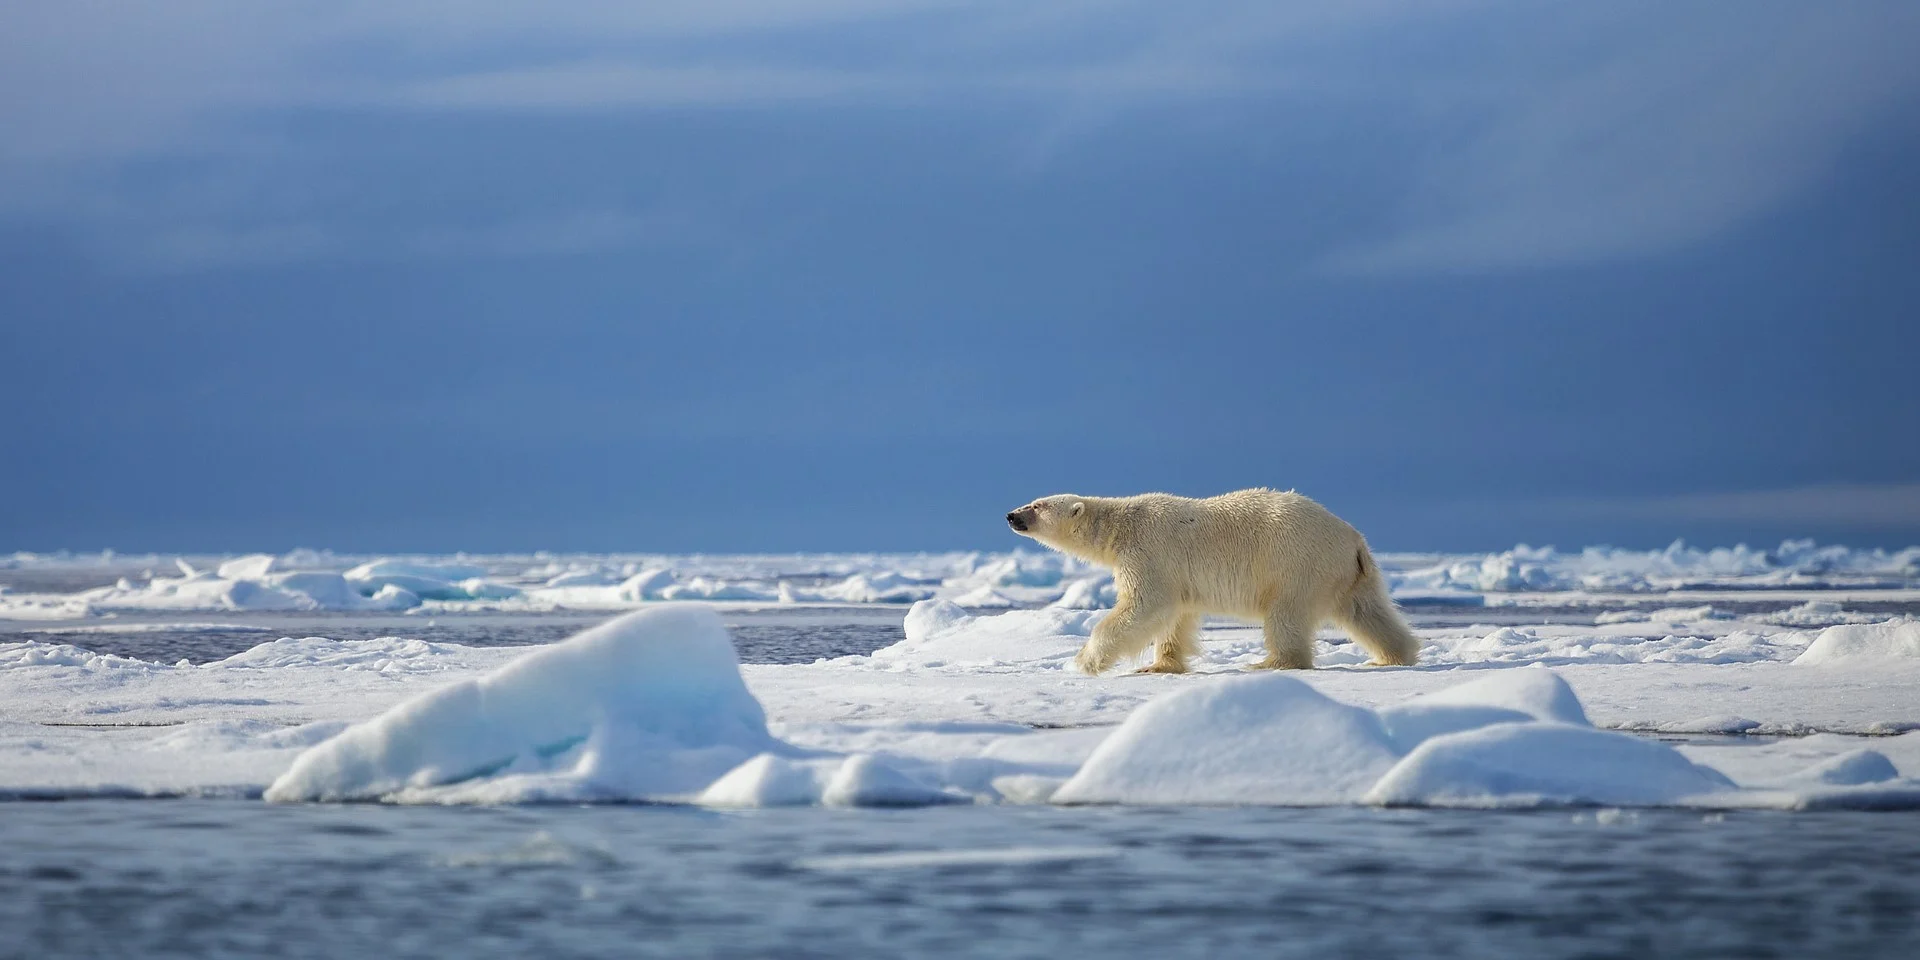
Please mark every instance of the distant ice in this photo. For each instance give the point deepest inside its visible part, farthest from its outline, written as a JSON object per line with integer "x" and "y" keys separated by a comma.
{"x": 310, "y": 580}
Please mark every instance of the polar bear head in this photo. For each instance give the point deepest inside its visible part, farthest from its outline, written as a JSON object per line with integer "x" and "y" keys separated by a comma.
{"x": 1056, "y": 521}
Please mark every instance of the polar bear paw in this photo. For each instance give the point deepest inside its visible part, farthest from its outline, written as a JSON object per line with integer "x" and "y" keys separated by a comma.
{"x": 1164, "y": 666}
{"x": 1090, "y": 663}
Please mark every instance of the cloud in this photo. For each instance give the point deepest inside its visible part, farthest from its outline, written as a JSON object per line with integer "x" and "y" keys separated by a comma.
{"x": 1671, "y": 135}
{"x": 1540, "y": 135}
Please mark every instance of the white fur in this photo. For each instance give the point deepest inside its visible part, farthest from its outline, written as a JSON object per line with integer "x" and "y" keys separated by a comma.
{"x": 1279, "y": 558}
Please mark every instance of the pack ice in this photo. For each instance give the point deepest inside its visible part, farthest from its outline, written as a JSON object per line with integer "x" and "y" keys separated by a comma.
{"x": 652, "y": 706}
{"x": 318, "y": 580}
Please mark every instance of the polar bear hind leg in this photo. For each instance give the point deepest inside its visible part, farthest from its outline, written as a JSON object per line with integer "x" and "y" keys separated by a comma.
{"x": 1374, "y": 622}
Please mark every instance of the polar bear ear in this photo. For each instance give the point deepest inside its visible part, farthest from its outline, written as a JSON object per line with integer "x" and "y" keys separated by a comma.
{"x": 1079, "y": 507}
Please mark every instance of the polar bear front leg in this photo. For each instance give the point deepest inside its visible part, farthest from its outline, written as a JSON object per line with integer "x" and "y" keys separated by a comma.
{"x": 1173, "y": 651}
{"x": 1133, "y": 624}
{"x": 1289, "y": 641}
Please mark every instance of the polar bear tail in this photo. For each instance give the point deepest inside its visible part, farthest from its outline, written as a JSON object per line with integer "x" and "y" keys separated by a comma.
{"x": 1374, "y": 621}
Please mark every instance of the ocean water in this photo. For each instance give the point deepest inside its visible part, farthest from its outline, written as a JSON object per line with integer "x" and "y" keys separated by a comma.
{"x": 228, "y": 878}
{"x": 764, "y": 636}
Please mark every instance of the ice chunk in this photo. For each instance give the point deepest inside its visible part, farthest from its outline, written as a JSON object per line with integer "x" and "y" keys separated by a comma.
{"x": 645, "y": 585}
{"x": 392, "y": 597}
{"x": 1850, "y": 769}
{"x": 1892, "y": 640}
{"x": 322, "y": 590}
{"x": 1245, "y": 740}
{"x": 984, "y": 598}
{"x": 1535, "y": 764}
{"x": 428, "y": 581}
{"x": 940, "y": 633}
{"x": 653, "y": 699}
{"x": 1663, "y": 615}
{"x": 864, "y": 780}
{"x": 384, "y": 567}
{"x": 36, "y": 653}
{"x": 770, "y": 780}
{"x": 251, "y": 567}
{"x": 877, "y": 588}
{"x": 382, "y": 654}
{"x": 480, "y": 588}
{"x": 1815, "y": 613}
{"x": 1089, "y": 594}
{"x": 859, "y": 780}
{"x": 708, "y": 588}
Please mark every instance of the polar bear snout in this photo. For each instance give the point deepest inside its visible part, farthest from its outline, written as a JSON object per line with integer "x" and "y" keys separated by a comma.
{"x": 1020, "y": 520}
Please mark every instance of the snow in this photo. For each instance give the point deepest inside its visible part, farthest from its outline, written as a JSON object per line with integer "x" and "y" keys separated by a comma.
{"x": 647, "y": 706}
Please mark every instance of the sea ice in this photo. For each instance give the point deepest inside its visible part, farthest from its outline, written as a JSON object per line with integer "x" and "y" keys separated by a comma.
{"x": 649, "y": 705}
{"x": 1531, "y": 764}
{"x": 1892, "y": 640}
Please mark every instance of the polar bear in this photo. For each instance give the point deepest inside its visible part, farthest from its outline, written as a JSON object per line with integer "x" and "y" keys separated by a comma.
{"x": 1279, "y": 558}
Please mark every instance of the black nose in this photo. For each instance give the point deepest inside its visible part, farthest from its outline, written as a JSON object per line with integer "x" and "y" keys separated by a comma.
{"x": 1014, "y": 520}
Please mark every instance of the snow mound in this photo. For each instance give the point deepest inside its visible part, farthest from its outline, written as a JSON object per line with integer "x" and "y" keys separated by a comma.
{"x": 1892, "y": 640}
{"x": 646, "y": 706}
{"x": 1507, "y": 696}
{"x": 1246, "y": 740}
{"x": 1536, "y": 764}
{"x": 940, "y": 633}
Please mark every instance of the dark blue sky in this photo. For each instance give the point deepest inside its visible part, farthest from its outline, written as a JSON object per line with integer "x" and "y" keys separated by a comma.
{"x": 845, "y": 275}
